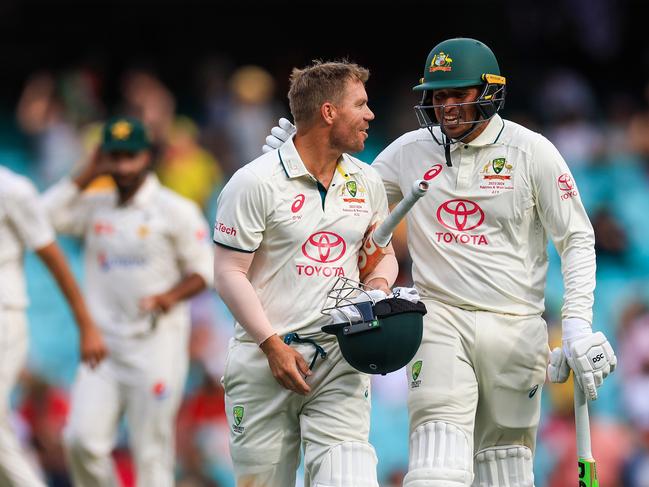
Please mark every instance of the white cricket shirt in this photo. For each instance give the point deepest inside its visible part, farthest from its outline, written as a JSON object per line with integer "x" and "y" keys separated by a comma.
{"x": 478, "y": 238}
{"x": 23, "y": 225}
{"x": 303, "y": 235}
{"x": 138, "y": 249}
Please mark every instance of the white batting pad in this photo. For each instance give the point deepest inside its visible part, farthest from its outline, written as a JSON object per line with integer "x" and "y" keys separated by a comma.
{"x": 440, "y": 456}
{"x": 504, "y": 466}
{"x": 347, "y": 464}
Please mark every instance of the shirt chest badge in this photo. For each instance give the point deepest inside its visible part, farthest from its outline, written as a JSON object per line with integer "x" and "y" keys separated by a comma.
{"x": 353, "y": 196}
{"x": 497, "y": 176}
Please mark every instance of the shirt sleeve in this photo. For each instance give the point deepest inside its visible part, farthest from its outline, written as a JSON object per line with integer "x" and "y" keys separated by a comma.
{"x": 387, "y": 164}
{"x": 68, "y": 210}
{"x": 564, "y": 218}
{"x": 192, "y": 243}
{"x": 28, "y": 216}
{"x": 241, "y": 212}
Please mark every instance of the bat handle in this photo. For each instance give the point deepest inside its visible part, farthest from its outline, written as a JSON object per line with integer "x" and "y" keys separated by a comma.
{"x": 582, "y": 424}
{"x": 383, "y": 233}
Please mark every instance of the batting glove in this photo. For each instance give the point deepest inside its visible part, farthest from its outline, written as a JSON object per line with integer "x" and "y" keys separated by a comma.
{"x": 279, "y": 135}
{"x": 589, "y": 355}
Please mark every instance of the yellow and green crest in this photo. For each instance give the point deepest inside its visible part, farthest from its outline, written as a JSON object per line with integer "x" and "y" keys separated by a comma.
{"x": 498, "y": 164}
{"x": 238, "y": 414}
{"x": 416, "y": 370}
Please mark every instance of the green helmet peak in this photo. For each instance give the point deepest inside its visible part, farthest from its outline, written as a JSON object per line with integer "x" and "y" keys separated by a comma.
{"x": 458, "y": 63}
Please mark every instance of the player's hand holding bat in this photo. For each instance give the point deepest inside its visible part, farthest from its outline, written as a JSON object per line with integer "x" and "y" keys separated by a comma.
{"x": 378, "y": 237}
{"x": 589, "y": 355}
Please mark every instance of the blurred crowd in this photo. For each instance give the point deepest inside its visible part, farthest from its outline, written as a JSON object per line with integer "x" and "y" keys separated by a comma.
{"x": 605, "y": 140}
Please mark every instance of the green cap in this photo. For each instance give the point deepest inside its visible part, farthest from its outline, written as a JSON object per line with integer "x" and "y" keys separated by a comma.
{"x": 124, "y": 134}
{"x": 458, "y": 63}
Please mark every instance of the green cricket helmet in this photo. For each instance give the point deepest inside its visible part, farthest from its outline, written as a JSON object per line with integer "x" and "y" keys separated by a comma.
{"x": 460, "y": 63}
{"x": 375, "y": 337}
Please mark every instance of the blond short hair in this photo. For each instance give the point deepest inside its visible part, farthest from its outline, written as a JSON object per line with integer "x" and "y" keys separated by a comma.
{"x": 318, "y": 83}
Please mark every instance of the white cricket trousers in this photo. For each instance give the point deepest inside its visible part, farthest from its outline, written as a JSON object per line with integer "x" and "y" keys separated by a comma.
{"x": 15, "y": 470}
{"x": 142, "y": 378}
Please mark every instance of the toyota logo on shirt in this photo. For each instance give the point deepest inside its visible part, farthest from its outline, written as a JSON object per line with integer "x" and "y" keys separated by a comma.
{"x": 461, "y": 215}
{"x": 324, "y": 247}
{"x": 565, "y": 182}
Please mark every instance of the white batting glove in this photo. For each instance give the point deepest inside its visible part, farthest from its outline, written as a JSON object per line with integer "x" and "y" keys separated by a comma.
{"x": 279, "y": 135}
{"x": 589, "y": 355}
{"x": 558, "y": 369}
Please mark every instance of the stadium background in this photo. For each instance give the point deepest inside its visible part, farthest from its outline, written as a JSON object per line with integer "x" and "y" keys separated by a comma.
{"x": 211, "y": 79}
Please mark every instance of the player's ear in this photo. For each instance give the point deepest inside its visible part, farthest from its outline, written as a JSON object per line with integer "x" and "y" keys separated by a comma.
{"x": 328, "y": 112}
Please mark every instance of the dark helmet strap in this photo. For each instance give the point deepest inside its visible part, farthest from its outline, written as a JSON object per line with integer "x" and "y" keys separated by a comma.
{"x": 294, "y": 337}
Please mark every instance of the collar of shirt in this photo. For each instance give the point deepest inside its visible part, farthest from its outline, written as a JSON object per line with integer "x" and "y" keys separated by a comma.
{"x": 295, "y": 168}
{"x": 488, "y": 136}
{"x": 145, "y": 193}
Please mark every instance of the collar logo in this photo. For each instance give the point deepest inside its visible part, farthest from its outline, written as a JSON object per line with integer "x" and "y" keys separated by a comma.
{"x": 460, "y": 215}
{"x": 324, "y": 247}
{"x": 441, "y": 62}
{"x": 121, "y": 130}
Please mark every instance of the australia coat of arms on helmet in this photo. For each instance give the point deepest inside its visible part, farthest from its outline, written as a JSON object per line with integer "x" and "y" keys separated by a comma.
{"x": 441, "y": 62}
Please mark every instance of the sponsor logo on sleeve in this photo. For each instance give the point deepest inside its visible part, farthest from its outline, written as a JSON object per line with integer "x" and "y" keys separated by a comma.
{"x": 462, "y": 218}
{"x": 323, "y": 248}
{"x": 222, "y": 228}
{"x": 566, "y": 186}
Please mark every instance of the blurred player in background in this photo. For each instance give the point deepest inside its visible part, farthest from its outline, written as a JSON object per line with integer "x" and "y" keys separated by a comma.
{"x": 478, "y": 243}
{"x": 146, "y": 252}
{"x": 287, "y": 225}
{"x": 24, "y": 225}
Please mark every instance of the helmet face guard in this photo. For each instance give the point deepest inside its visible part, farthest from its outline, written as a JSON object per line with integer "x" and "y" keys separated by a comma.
{"x": 374, "y": 337}
{"x": 490, "y": 101}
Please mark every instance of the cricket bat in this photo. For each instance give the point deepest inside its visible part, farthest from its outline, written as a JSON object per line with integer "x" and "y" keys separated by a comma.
{"x": 585, "y": 460}
{"x": 378, "y": 238}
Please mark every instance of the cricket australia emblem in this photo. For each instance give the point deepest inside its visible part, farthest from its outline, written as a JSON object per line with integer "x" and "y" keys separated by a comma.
{"x": 237, "y": 413}
{"x": 416, "y": 370}
{"x": 497, "y": 176}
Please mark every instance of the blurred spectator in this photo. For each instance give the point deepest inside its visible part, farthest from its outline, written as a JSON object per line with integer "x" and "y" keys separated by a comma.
{"x": 610, "y": 237}
{"x": 568, "y": 103}
{"x": 186, "y": 167}
{"x": 634, "y": 364}
{"x": 55, "y": 110}
{"x": 149, "y": 100}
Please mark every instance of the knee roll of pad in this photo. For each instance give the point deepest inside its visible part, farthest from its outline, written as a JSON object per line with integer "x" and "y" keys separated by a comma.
{"x": 348, "y": 464}
{"x": 440, "y": 456}
{"x": 504, "y": 466}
